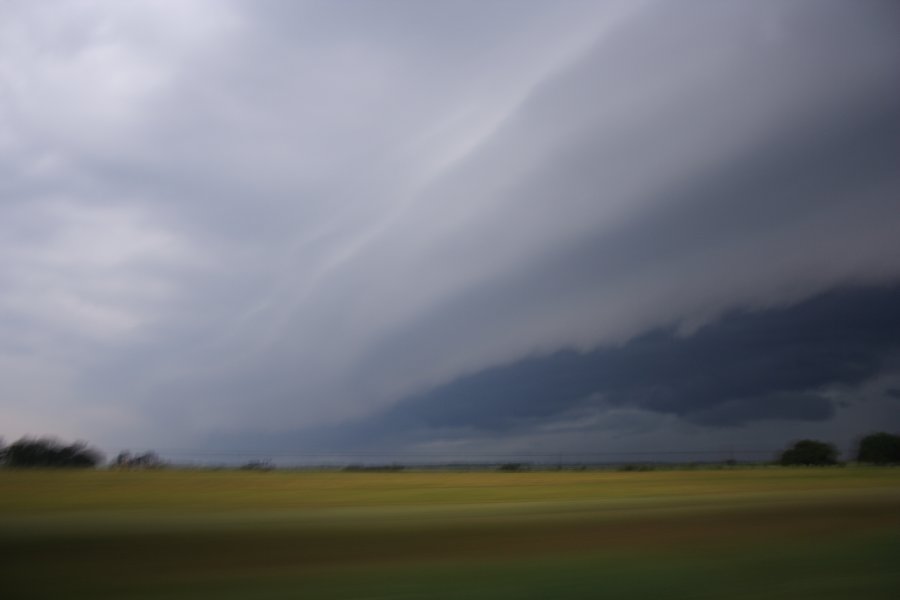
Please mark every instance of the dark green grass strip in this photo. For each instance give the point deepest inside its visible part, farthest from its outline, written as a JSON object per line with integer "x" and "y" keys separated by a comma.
{"x": 837, "y": 550}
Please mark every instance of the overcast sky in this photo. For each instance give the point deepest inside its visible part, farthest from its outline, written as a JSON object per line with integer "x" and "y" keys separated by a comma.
{"x": 468, "y": 226}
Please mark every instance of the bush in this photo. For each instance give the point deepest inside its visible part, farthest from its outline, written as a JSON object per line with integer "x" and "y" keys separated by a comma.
{"x": 513, "y": 467}
{"x": 373, "y": 468}
{"x": 629, "y": 467}
{"x": 258, "y": 465}
{"x": 809, "y": 453}
{"x": 879, "y": 449}
{"x": 50, "y": 453}
{"x": 147, "y": 460}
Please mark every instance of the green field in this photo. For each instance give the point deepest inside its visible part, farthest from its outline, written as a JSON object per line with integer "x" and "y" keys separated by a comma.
{"x": 730, "y": 533}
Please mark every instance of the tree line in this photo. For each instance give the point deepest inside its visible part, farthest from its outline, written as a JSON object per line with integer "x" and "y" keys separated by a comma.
{"x": 880, "y": 448}
{"x": 48, "y": 452}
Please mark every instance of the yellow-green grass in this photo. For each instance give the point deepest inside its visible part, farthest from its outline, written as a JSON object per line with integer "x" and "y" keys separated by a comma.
{"x": 773, "y": 532}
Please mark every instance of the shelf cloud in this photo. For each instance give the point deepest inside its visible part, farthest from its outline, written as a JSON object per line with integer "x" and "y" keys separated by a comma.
{"x": 311, "y": 224}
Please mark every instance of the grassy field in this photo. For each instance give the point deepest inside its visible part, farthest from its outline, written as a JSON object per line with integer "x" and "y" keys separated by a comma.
{"x": 730, "y": 533}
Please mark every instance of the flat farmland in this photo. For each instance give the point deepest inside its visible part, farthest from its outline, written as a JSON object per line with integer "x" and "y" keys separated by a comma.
{"x": 700, "y": 533}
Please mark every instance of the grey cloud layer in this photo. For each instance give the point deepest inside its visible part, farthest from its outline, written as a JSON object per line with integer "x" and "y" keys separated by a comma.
{"x": 798, "y": 364}
{"x": 261, "y": 215}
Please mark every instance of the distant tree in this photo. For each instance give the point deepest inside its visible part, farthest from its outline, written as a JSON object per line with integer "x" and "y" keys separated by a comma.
{"x": 47, "y": 452}
{"x": 879, "y": 449}
{"x": 628, "y": 467}
{"x": 147, "y": 460}
{"x": 121, "y": 459}
{"x": 513, "y": 467}
{"x": 258, "y": 465}
{"x": 373, "y": 468}
{"x": 809, "y": 452}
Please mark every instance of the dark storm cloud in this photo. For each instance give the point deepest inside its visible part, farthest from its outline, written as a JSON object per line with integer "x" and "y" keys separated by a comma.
{"x": 773, "y": 364}
{"x": 800, "y": 365}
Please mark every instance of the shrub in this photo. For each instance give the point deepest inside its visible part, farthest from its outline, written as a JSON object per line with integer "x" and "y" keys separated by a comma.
{"x": 513, "y": 467}
{"x": 629, "y": 467}
{"x": 147, "y": 460}
{"x": 50, "y": 453}
{"x": 808, "y": 453}
{"x": 258, "y": 465}
{"x": 879, "y": 449}
{"x": 374, "y": 468}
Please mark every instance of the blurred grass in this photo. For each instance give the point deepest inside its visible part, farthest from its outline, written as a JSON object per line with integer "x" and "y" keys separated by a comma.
{"x": 774, "y": 532}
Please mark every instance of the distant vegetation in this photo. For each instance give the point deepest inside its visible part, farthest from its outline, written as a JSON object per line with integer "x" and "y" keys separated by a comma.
{"x": 147, "y": 460}
{"x": 880, "y": 448}
{"x": 258, "y": 465}
{"x": 809, "y": 453}
{"x": 636, "y": 467}
{"x": 514, "y": 467}
{"x": 47, "y": 452}
{"x": 374, "y": 468}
